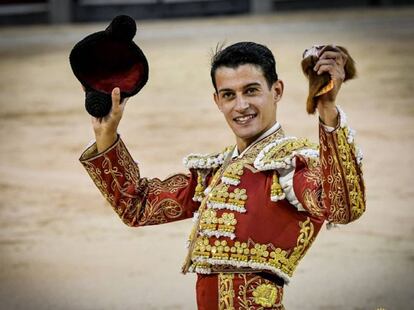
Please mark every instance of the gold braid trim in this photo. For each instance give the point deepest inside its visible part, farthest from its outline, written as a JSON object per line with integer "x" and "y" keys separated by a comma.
{"x": 346, "y": 158}
{"x": 253, "y": 255}
{"x": 226, "y": 291}
{"x": 346, "y": 192}
{"x": 279, "y": 154}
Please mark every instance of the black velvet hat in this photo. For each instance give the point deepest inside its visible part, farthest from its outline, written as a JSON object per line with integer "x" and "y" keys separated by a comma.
{"x": 108, "y": 59}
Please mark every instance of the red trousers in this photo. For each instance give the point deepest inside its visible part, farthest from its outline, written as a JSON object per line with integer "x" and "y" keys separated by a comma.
{"x": 234, "y": 291}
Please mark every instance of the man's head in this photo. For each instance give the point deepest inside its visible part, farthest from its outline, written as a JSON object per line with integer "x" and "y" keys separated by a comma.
{"x": 246, "y": 89}
{"x": 245, "y": 53}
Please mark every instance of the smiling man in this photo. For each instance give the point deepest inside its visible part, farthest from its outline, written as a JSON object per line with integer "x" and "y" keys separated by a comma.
{"x": 257, "y": 205}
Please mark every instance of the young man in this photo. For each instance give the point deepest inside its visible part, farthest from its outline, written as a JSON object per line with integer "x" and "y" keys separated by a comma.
{"x": 258, "y": 205}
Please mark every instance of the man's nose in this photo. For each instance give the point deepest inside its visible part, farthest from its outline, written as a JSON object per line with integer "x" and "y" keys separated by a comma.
{"x": 242, "y": 103}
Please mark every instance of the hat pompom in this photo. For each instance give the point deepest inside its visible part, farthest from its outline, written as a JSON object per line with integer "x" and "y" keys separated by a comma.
{"x": 122, "y": 27}
{"x": 98, "y": 104}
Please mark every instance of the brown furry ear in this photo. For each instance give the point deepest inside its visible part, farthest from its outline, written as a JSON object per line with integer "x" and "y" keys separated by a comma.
{"x": 321, "y": 84}
{"x": 316, "y": 82}
{"x": 350, "y": 68}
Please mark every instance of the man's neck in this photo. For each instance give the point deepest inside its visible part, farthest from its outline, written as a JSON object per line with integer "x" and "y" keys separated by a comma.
{"x": 243, "y": 145}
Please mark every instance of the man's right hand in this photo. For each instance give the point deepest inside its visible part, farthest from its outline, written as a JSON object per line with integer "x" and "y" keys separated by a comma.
{"x": 106, "y": 127}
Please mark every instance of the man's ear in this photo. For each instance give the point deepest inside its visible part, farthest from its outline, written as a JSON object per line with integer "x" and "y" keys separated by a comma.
{"x": 277, "y": 88}
{"x": 216, "y": 100}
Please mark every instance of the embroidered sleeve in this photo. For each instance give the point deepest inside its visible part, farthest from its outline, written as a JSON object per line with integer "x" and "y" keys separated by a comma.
{"x": 333, "y": 188}
{"x": 138, "y": 201}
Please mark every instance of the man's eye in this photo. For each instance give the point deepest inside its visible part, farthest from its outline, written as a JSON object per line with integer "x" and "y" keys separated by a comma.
{"x": 227, "y": 95}
{"x": 251, "y": 91}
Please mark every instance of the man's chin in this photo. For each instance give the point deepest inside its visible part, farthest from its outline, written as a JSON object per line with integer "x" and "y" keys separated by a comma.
{"x": 247, "y": 137}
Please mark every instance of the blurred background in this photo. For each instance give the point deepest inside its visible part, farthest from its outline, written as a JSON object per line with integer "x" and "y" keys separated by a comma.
{"x": 62, "y": 246}
{"x": 70, "y": 11}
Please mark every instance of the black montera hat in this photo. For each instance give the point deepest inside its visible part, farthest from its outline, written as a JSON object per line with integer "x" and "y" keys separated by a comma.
{"x": 108, "y": 59}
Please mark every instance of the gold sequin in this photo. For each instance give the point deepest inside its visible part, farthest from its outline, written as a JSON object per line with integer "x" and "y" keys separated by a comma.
{"x": 221, "y": 198}
{"x": 265, "y": 295}
{"x": 233, "y": 173}
{"x": 223, "y": 225}
{"x": 256, "y": 255}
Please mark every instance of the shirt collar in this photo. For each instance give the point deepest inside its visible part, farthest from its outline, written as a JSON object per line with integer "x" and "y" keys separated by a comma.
{"x": 268, "y": 132}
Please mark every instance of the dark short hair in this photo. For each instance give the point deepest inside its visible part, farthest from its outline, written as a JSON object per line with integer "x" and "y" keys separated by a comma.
{"x": 243, "y": 53}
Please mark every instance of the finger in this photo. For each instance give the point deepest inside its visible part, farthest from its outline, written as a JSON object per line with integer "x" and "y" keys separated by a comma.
{"x": 337, "y": 56}
{"x": 116, "y": 98}
{"x": 326, "y": 68}
{"x": 324, "y": 62}
{"x": 335, "y": 73}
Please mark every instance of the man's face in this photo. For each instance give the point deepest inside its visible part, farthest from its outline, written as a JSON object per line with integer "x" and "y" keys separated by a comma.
{"x": 247, "y": 103}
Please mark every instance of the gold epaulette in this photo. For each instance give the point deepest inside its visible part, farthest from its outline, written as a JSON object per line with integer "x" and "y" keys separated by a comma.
{"x": 279, "y": 157}
{"x": 280, "y": 153}
{"x": 204, "y": 165}
{"x": 209, "y": 161}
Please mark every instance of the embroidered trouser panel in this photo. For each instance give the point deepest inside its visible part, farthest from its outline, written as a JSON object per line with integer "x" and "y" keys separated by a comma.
{"x": 238, "y": 291}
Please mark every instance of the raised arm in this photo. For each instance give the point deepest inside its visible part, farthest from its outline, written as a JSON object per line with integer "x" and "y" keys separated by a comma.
{"x": 334, "y": 187}
{"x": 138, "y": 201}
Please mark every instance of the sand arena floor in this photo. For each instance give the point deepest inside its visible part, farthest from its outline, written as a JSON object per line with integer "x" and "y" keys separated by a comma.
{"x": 62, "y": 247}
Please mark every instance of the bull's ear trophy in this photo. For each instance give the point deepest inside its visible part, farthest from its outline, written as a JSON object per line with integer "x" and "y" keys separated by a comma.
{"x": 321, "y": 84}
{"x": 108, "y": 59}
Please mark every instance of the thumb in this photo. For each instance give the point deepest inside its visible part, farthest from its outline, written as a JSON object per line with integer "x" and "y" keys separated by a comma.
{"x": 116, "y": 98}
{"x": 116, "y": 95}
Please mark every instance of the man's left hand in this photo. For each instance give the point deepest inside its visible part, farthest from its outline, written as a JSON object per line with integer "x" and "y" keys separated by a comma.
{"x": 332, "y": 62}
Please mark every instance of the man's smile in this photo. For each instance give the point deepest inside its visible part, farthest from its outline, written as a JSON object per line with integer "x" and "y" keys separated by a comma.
{"x": 241, "y": 120}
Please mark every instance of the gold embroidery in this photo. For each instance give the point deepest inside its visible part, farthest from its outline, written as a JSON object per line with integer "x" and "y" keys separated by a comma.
{"x": 258, "y": 293}
{"x": 312, "y": 202}
{"x": 226, "y": 291}
{"x": 248, "y": 157}
{"x": 238, "y": 197}
{"x": 219, "y": 194}
{"x": 220, "y": 198}
{"x": 344, "y": 181}
{"x": 210, "y": 224}
{"x": 254, "y": 255}
{"x": 265, "y": 295}
{"x": 131, "y": 171}
{"x": 96, "y": 176}
{"x": 124, "y": 176}
{"x": 169, "y": 185}
{"x": 195, "y": 230}
{"x": 245, "y": 303}
{"x": 280, "y": 153}
{"x": 251, "y": 155}
{"x": 347, "y": 154}
{"x": 313, "y": 175}
{"x": 233, "y": 173}
{"x": 304, "y": 240}
{"x": 158, "y": 212}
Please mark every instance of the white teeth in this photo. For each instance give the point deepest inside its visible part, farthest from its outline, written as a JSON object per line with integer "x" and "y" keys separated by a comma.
{"x": 244, "y": 118}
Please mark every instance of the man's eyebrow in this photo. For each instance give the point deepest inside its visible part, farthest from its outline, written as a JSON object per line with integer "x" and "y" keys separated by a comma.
{"x": 251, "y": 84}
{"x": 244, "y": 87}
{"x": 225, "y": 90}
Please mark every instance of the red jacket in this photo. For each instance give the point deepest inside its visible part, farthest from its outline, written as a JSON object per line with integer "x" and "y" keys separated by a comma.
{"x": 260, "y": 211}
